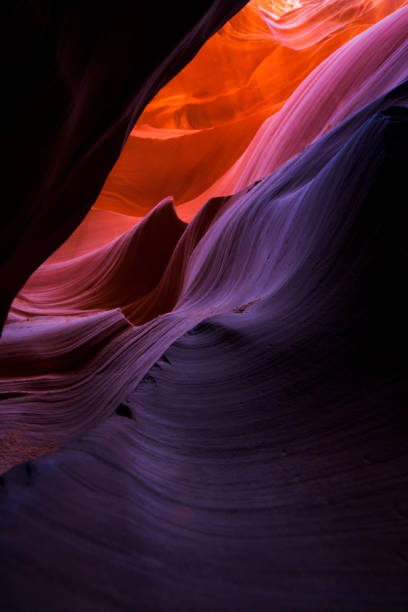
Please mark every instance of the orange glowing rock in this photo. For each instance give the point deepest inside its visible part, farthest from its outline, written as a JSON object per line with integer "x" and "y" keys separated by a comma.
{"x": 203, "y": 120}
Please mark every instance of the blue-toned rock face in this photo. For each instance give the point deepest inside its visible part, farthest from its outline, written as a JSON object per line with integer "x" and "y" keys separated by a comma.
{"x": 205, "y": 416}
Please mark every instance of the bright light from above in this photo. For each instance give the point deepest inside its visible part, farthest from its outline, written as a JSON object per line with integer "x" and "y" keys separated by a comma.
{"x": 277, "y": 8}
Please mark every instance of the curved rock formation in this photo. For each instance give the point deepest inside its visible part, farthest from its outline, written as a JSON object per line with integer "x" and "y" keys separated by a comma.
{"x": 87, "y": 70}
{"x": 212, "y": 415}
